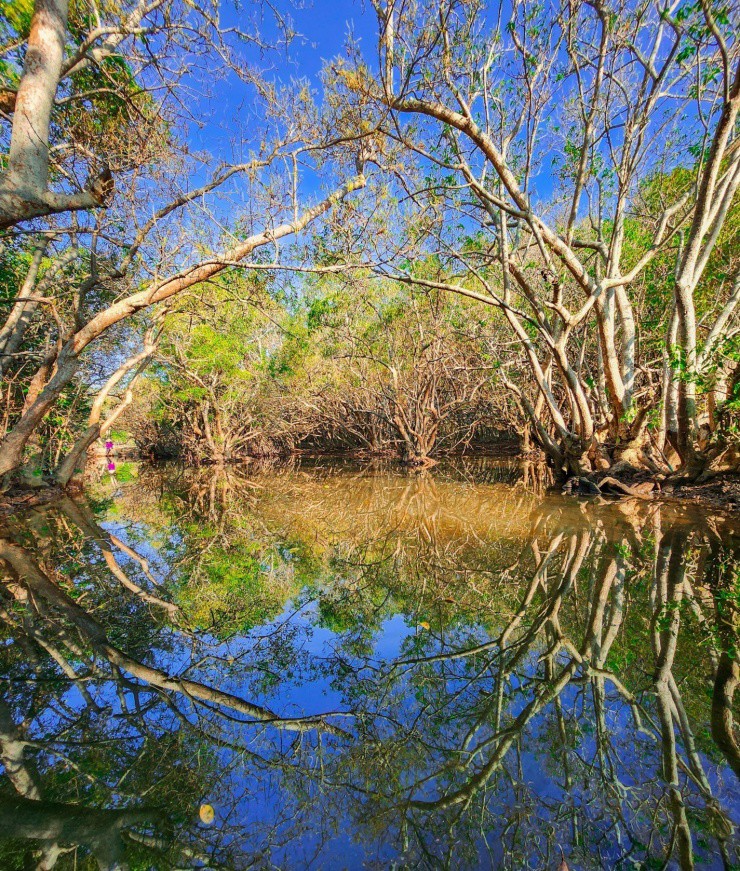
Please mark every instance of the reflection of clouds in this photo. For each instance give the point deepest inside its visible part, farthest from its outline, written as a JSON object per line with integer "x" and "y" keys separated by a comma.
{"x": 507, "y": 673}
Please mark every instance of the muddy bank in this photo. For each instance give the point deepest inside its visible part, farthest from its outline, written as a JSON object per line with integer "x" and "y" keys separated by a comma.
{"x": 720, "y": 492}
{"x": 723, "y": 493}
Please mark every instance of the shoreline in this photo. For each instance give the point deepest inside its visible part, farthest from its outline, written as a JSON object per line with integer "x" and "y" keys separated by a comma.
{"x": 721, "y": 493}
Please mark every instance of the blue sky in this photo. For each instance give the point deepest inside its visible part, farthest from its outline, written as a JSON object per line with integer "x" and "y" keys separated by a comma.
{"x": 323, "y": 27}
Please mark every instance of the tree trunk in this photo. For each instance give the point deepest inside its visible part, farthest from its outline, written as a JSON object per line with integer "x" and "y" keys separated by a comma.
{"x": 686, "y": 417}
{"x": 12, "y": 446}
{"x": 69, "y": 464}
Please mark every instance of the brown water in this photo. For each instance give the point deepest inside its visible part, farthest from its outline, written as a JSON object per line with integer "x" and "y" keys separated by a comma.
{"x": 334, "y": 666}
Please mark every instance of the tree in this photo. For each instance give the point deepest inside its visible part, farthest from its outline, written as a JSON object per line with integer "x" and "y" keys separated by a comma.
{"x": 90, "y": 276}
{"x": 535, "y": 133}
{"x": 213, "y": 386}
{"x": 57, "y": 68}
{"x": 88, "y": 91}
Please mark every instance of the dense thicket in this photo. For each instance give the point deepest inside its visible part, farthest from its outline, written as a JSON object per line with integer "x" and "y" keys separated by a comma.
{"x": 367, "y": 366}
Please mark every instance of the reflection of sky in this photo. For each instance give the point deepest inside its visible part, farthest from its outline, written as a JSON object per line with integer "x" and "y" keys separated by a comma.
{"x": 315, "y": 812}
{"x": 346, "y": 848}
{"x": 314, "y": 691}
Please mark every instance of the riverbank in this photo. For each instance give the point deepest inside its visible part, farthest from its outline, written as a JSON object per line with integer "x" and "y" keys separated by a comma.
{"x": 722, "y": 493}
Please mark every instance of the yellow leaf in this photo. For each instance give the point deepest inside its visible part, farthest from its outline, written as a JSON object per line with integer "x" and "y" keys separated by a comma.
{"x": 207, "y": 814}
{"x": 423, "y": 625}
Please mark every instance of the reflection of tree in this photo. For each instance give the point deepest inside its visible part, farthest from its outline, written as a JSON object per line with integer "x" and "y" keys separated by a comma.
{"x": 485, "y": 703}
{"x": 723, "y": 575}
{"x": 358, "y": 504}
{"x": 52, "y": 823}
{"x": 521, "y": 682}
{"x": 115, "y": 728}
{"x": 549, "y": 687}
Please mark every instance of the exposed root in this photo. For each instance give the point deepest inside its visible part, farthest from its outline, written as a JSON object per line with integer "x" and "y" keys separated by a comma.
{"x": 609, "y": 486}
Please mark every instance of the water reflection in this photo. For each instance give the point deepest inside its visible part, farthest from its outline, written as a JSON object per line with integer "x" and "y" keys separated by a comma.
{"x": 362, "y": 668}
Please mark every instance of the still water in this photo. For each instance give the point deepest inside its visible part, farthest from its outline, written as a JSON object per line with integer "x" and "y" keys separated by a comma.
{"x": 328, "y": 666}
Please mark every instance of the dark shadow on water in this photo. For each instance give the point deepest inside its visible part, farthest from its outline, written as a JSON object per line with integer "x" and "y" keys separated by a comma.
{"x": 360, "y": 666}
